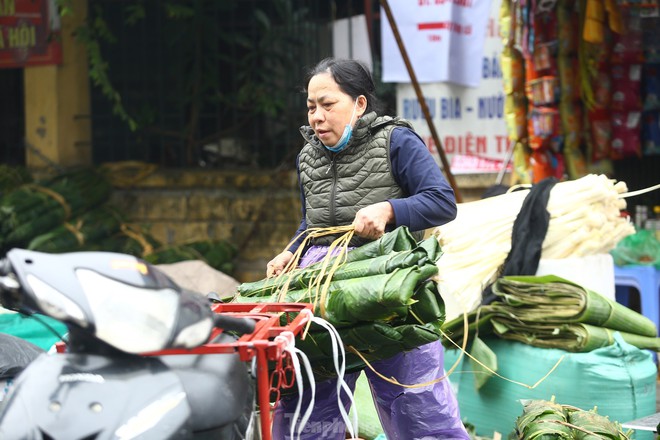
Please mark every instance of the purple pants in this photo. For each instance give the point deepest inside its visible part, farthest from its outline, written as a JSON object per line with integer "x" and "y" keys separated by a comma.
{"x": 424, "y": 413}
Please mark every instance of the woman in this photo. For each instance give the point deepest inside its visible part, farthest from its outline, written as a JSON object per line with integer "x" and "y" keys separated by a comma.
{"x": 372, "y": 172}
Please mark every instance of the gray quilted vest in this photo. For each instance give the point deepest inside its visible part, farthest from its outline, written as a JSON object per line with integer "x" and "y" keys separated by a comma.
{"x": 338, "y": 185}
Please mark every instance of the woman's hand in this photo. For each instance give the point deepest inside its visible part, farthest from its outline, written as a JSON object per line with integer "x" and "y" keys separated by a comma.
{"x": 277, "y": 264}
{"x": 370, "y": 221}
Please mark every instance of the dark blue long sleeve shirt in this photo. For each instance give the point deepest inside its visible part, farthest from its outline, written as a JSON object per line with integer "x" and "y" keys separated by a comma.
{"x": 429, "y": 199}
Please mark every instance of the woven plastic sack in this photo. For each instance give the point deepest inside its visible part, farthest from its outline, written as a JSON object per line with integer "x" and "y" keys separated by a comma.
{"x": 619, "y": 379}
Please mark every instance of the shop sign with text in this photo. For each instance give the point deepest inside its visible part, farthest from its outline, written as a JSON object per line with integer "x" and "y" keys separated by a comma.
{"x": 469, "y": 120}
{"x": 29, "y": 33}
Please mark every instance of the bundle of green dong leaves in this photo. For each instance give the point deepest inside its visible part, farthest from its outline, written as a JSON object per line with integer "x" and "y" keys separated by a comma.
{"x": 381, "y": 300}
{"x": 542, "y": 419}
{"x": 551, "y": 312}
{"x": 33, "y": 209}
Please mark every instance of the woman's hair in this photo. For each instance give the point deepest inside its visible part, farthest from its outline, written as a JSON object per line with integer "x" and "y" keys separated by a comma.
{"x": 352, "y": 77}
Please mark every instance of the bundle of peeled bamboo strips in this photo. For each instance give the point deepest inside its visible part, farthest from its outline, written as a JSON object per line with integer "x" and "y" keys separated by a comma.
{"x": 585, "y": 219}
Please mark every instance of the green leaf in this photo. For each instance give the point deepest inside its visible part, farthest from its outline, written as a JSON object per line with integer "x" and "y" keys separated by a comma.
{"x": 262, "y": 19}
{"x": 481, "y": 352}
{"x": 135, "y": 13}
{"x": 178, "y": 11}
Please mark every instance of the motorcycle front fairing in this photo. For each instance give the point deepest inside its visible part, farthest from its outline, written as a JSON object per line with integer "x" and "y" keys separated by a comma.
{"x": 83, "y": 396}
{"x": 80, "y": 396}
{"x": 113, "y": 297}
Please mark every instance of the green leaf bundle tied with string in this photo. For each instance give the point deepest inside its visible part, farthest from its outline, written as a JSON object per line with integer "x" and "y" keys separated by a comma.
{"x": 381, "y": 297}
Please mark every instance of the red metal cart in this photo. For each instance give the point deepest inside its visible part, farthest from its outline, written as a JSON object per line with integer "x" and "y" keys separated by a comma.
{"x": 266, "y": 344}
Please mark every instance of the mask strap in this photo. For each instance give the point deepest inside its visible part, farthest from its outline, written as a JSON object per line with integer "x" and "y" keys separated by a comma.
{"x": 353, "y": 114}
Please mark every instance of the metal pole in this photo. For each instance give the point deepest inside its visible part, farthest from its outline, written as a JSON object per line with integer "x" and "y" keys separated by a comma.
{"x": 422, "y": 101}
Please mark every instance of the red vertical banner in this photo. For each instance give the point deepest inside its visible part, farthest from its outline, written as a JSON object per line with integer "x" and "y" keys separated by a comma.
{"x": 29, "y": 33}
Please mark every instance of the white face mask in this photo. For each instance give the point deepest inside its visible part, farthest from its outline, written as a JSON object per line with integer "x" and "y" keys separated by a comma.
{"x": 346, "y": 135}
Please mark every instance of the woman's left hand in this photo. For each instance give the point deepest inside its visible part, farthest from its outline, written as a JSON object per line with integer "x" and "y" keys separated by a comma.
{"x": 370, "y": 221}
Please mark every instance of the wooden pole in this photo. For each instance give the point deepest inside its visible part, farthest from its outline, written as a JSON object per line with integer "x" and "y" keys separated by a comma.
{"x": 422, "y": 101}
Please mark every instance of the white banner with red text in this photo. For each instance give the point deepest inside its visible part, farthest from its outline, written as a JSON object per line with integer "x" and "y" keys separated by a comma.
{"x": 443, "y": 39}
{"x": 469, "y": 121}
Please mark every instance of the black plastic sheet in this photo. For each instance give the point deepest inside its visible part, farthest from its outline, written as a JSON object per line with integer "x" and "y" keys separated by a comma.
{"x": 15, "y": 355}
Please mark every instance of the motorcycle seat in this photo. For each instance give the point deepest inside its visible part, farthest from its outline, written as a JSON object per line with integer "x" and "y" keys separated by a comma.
{"x": 218, "y": 387}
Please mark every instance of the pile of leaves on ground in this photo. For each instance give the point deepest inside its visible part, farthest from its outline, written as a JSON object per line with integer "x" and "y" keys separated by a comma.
{"x": 382, "y": 299}
{"x": 542, "y": 419}
{"x": 71, "y": 212}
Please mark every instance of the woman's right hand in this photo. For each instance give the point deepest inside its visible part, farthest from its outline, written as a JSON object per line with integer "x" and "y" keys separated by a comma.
{"x": 277, "y": 264}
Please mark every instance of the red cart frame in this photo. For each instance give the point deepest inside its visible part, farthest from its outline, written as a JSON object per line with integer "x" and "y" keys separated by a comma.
{"x": 263, "y": 345}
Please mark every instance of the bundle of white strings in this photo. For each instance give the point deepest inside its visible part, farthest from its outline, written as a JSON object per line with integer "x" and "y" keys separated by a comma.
{"x": 339, "y": 358}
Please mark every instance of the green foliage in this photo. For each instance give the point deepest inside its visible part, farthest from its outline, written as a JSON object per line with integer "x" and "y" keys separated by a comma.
{"x": 178, "y": 11}
{"x": 134, "y": 13}
{"x": 90, "y": 35}
{"x": 263, "y": 60}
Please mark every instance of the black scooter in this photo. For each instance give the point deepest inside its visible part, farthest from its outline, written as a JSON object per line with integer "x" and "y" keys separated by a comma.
{"x": 117, "y": 308}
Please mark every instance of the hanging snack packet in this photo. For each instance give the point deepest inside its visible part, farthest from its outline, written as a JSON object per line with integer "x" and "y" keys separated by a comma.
{"x": 506, "y": 23}
{"x": 576, "y": 166}
{"x": 651, "y": 87}
{"x": 558, "y": 165}
{"x": 545, "y": 90}
{"x": 626, "y": 87}
{"x": 571, "y": 121}
{"x": 600, "y": 134}
{"x": 512, "y": 71}
{"x": 541, "y": 164}
{"x": 515, "y": 115}
{"x": 568, "y": 78}
{"x": 651, "y": 133}
{"x": 522, "y": 172}
{"x": 625, "y": 135}
{"x": 567, "y": 25}
{"x": 628, "y": 48}
{"x": 651, "y": 39}
{"x": 602, "y": 88}
{"x": 544, "y": 58}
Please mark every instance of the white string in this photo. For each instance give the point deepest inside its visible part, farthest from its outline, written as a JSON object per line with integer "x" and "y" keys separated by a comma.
{"x": 289, "y": 347}
{"x": 312, "y": 384}
{"x": 640, "y": 191}
{"x": 340, "y": 368}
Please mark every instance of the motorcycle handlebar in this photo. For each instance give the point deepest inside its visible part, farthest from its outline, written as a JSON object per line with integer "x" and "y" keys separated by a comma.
{"x": 242, "y": 326}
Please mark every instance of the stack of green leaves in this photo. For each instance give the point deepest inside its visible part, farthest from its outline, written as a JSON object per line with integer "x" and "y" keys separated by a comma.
{"x": 129, "y": 240}
{"x": 81, "y": 233}
{"x": 34, "y": 209}
{"x": 543, "y": 419}
{"x": 551, "y": 312}
{"x": 11, "y": 177}
{"x": 381, "y": 299}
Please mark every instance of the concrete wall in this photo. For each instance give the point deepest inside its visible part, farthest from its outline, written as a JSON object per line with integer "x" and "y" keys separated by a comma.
{"x": 258, "y": 211}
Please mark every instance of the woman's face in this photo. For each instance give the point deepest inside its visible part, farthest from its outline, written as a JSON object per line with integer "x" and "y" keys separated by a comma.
{"x": 329, "y": 109}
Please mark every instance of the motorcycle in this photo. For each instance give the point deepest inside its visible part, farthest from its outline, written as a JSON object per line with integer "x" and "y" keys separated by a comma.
{"x": 143, "y": 358}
